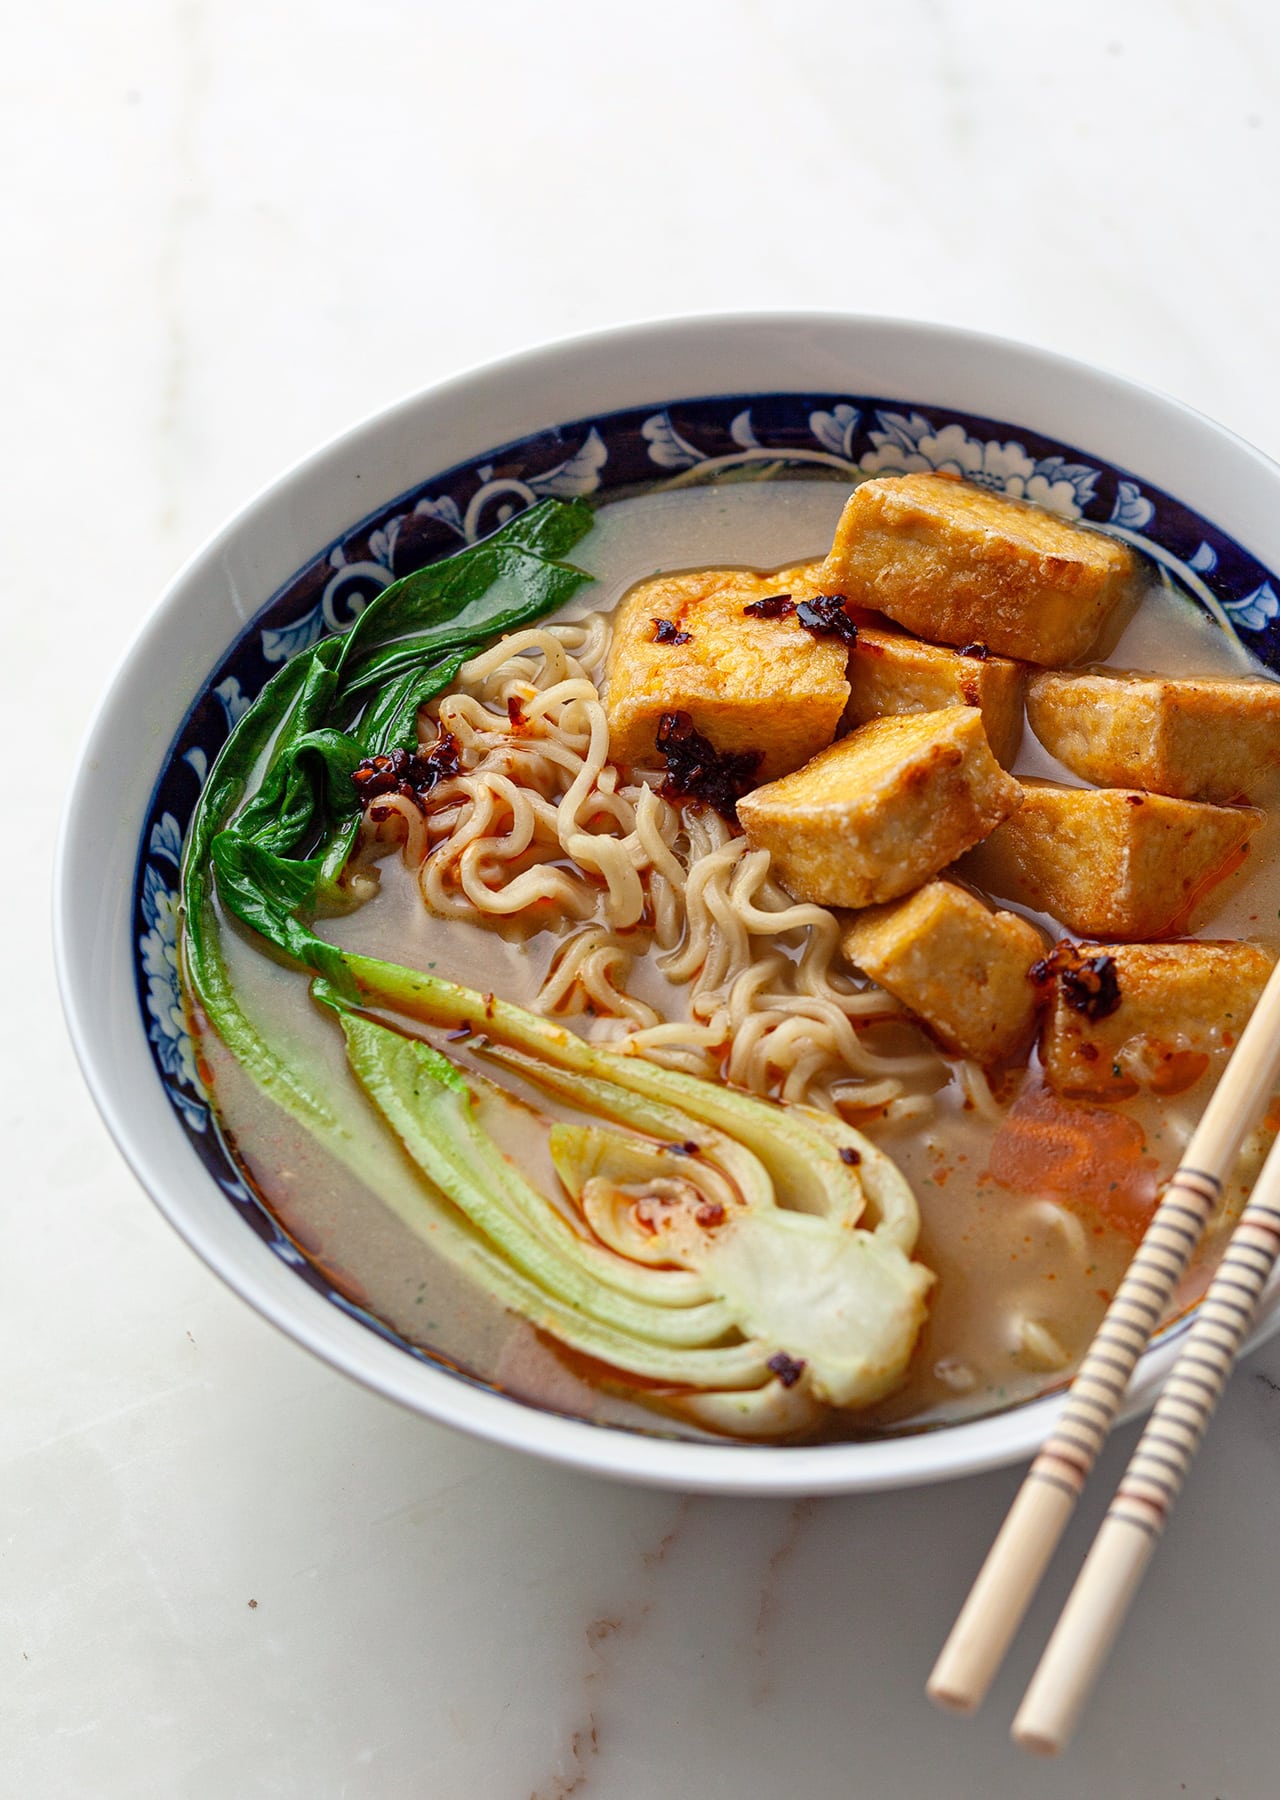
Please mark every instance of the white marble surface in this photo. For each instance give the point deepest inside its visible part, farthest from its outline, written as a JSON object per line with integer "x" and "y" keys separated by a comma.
{"x": 230, "y": 229}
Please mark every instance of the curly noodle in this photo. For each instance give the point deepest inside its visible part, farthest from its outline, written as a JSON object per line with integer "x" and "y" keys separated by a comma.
{"x": 540, "y": 828}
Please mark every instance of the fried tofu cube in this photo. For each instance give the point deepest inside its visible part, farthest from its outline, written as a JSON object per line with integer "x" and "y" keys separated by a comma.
{"x": 1154, "y": 1016}
{"x": 748, "y": 683}
{"x": 1108, "y": 862}
{"x": 1196, "y": 738}
{"x": 961, "y": 967}
{"x": 890, "y": 672}
{"x": 883, "y": 809}
{"x": 961, "y": 565}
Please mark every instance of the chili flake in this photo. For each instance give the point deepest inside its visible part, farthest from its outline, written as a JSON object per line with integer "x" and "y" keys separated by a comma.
{"x": 407, "y": 773}
{"x": 696, "y": 770}
{"x": 773, "y": 606}
{"x": 1090, "y": 984}
{"x": 825, "y": 616}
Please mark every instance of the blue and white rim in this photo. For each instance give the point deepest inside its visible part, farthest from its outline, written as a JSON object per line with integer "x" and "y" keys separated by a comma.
{"x": 761, "y": 436}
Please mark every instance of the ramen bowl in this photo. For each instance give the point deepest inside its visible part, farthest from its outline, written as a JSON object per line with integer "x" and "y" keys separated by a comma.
{"x": 731, "y": 398}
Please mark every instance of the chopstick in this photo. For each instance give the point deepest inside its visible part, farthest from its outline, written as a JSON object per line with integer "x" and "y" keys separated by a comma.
{"x": 1128, "y": 1535}
{"x": 1008, "y": 1579}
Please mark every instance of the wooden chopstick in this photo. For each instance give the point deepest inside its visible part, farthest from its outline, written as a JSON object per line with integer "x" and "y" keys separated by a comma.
{"x": 1008, "y": 1579}
{"x": 1136, "y": 1517}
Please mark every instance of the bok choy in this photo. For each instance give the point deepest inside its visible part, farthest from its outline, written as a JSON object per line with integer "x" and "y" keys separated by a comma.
{"x": 746, "y": 1263}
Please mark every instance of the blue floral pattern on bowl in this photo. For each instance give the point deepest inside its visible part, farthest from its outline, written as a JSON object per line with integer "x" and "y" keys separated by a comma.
{"x": 838, "y": 437}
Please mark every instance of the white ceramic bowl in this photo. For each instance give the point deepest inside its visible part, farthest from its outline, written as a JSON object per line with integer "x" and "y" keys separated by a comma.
{"x": 868, "y": 391}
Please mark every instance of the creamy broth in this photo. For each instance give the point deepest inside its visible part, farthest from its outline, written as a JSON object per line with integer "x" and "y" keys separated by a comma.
{"x": 1020, "y": 1277}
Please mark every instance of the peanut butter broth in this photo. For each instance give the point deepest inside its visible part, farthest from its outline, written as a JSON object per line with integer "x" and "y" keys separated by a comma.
{"x": 1017, "y": 1273}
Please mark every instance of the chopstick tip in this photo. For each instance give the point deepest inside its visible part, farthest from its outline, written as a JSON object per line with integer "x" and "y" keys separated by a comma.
{"x": 952, "y": 1699}
{"x": 1038, "y": 1742}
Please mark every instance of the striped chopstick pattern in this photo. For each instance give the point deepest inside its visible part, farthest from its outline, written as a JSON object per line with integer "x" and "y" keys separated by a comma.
{"x": 1112, "y": 1571}
{"x": 1181, "y": 1415}
{"x": 1069, "y": 1453}
{"x": 1016, "y": 1562}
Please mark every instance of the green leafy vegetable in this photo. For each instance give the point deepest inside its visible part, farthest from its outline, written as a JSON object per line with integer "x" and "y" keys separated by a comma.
{"x": 390, "y": 720}
{"x": 328, "y": 710}
{"x": 751, "y": 1260}
{"x": 284, "y": 808}
{"x": 203, "y": 962}
{"x": 839, "y": 1305}
{"x": 516, "y": 575}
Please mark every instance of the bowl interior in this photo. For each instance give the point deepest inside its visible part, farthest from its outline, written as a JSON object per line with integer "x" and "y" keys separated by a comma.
{"x": 397, "y": 494}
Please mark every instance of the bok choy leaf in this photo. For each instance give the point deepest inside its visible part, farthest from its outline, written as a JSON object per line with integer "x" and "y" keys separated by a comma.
{"x": 278, "y": 852}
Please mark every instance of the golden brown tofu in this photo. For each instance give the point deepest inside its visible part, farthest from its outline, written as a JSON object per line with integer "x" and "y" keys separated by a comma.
{"x": 1108, "y": 862}
{"x": 883, "y": 809}
{"x": 892, "y": 673}
{"x": 1156, "y": 1018}
{"x": 962, "y": 565}
{"x": 962, "y": 968}
{"x": 748, "y": 683}
{"x": 1197, "y": 738}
